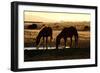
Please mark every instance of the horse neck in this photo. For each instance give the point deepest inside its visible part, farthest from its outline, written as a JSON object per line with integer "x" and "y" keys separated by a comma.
{"x": 39, "y": 35}
{"x": 58, "y": 39}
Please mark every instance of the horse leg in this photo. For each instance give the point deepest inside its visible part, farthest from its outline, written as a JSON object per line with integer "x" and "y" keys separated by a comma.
{"x": 50, "y": 41}
{"x": 57, "y": 43}
{"x": 46, "y": 42}
{"x": 65, "y": 42}
{"x": 71, "y": 42}
{"x": 76, "y": 42}
{"x": 43, "y": 43}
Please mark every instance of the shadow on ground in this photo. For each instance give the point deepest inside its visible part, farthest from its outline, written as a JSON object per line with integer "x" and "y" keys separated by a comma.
{"x": 54, "y": 54}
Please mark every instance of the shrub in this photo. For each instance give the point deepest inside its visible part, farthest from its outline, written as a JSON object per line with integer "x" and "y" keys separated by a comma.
{"x": 86, "y": 28}
{"x": 33, "y": 26}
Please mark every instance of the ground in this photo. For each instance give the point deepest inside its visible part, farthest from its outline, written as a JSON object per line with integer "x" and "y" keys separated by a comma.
{"x": 56, "y": 54}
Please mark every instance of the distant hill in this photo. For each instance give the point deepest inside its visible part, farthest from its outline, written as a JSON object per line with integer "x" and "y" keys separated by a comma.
{"x": 82, "y": 26}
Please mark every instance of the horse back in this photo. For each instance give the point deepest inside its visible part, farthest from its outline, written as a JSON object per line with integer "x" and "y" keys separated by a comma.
{"x": 46, "y": 31}
{"x": 69, "y": 31}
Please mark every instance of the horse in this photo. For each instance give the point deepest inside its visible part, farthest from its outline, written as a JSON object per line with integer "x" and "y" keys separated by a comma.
{"x": 65, "y": 33}
{"x": 45, "y": 32}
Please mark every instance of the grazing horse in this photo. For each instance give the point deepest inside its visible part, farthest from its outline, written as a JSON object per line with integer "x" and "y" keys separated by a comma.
{"x": 65, "y": 33}
{"x": 45, "y": 32}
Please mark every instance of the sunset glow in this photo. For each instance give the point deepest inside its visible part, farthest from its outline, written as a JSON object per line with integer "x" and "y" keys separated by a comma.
{"x": 55, "y": 17}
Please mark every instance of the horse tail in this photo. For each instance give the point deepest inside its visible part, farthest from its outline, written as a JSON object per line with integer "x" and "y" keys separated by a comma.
{"x": 76, "y": 38}
{"x": 51, "y": 34}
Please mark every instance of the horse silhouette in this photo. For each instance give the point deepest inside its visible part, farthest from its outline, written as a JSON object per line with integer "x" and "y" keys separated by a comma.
{"x": 65, "y": 33}
{"x": 45, "y": 32}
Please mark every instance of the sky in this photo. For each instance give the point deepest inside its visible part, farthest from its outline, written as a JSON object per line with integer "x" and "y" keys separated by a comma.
{"x": 55, "y": 16}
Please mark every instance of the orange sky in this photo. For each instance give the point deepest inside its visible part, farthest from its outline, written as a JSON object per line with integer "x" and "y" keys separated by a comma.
{"x": 54, "y": 17}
